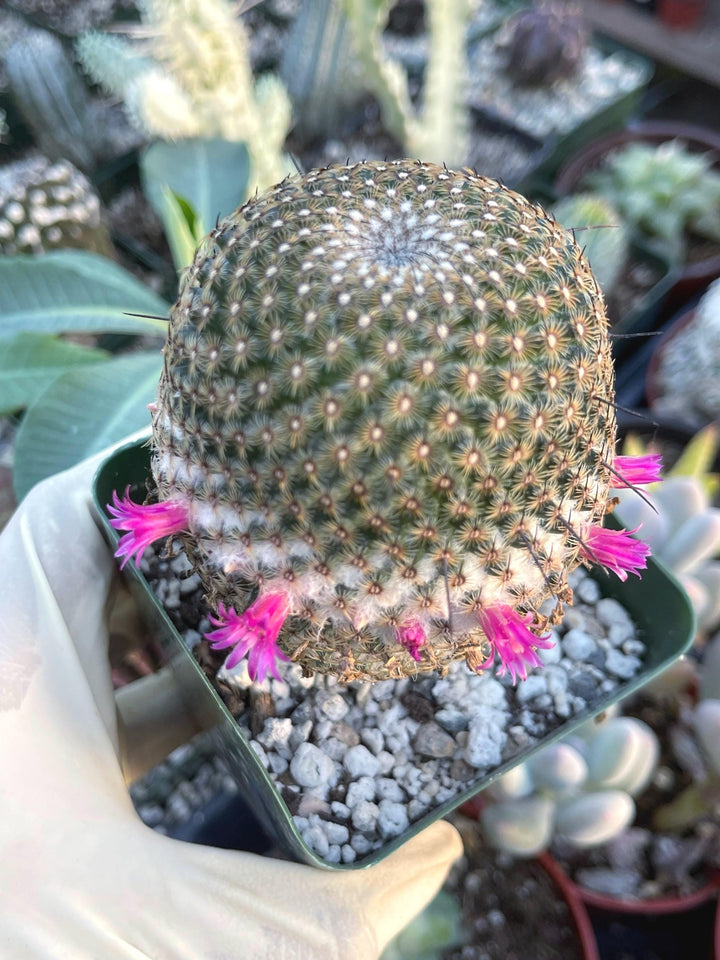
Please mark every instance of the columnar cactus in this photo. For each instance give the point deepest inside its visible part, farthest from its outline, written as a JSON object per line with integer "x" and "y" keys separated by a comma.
{"x": 385, "y": 428}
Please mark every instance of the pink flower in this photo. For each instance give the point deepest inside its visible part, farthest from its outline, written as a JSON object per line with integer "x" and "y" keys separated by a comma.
{"x": 511, "y": 639}
{"x": 412, "y": 636}
{"x": 253, "y": 634}
{"x": 144, "y": 523}
{"x": 637, "y": 471}
{"x": 615, "y": 549}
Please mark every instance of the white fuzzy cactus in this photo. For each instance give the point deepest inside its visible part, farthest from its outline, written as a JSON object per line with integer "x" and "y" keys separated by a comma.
{"x": 190, "y": 76}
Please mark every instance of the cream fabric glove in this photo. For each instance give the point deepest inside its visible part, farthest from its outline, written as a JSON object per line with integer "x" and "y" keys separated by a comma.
{"x": 81, "y": 877}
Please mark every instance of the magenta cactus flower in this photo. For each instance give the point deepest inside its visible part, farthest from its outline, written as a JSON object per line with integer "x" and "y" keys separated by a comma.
{"x": 253, "y": 633}
{"x": 511, "y": 640}
{"x": 413, "y": 637}
{"x": 145, "y": 524}
{"x": 617, "y": 550}
{"x": 637, "y": 471}
{"x": 386, "y": 425}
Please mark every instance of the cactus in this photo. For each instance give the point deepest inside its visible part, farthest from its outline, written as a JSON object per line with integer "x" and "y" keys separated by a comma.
{"x": 696, "y": 347}
{"x": 51, "y": 98}
{"x": 440, "y": 131}
{"x": 600, "y": 231}
{"x": 545, "y": 43}
{"x": 385, "y": 427}
{"x": 581, "y": 790}
{"x": 49, "y": 206}
{"x": 663, "y": 192}
{"x": 192, "y": 79}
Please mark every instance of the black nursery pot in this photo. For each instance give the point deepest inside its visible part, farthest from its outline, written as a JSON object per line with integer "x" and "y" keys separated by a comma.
{"x": 657, "y": 604}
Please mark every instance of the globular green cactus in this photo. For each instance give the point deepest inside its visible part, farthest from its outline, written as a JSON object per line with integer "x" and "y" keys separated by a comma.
{"x": 600, "y": 231}
{"x": 385, "y": 427}
{"x": 49, "y": 206}
{"x": 581, "y": 791}
{"x": 545, "y": 43}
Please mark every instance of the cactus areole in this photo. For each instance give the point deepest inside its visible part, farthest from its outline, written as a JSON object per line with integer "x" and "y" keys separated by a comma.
{"x": 385, "y": 426}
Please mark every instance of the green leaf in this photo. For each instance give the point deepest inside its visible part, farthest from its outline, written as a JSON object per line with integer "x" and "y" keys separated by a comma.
{"x": 82, "y": 412}
{"x": 74, "y": 291}
{"x": 210, "y": 175}
{"x": 29, "y": 362}
{"x": 181, "y": 225}
{"x": 699, "y": 454}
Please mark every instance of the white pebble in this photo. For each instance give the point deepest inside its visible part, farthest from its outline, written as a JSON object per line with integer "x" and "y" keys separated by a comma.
{"x": 578, "y": 644}
{"x": 359, "y": 762}
{"x": 365, "y": 815}
{"x": 392, "y": 818}
{"x": 310, "y": 767}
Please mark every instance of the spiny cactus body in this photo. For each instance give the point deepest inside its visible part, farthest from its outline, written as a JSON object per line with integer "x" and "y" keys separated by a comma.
{"x": 600, "y": 231}
{"x": 387, "y": 414}
{"x": 48, "y": 206}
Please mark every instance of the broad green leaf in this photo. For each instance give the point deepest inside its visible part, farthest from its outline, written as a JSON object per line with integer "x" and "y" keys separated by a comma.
{"x": 82, "y": 412}
{"x": 74, "y": 291}
{"x": 697, "y": 457}
{"x": 29, "y": 362}
{"x": 180, "y": 223}
{"x": 210, "y": 175}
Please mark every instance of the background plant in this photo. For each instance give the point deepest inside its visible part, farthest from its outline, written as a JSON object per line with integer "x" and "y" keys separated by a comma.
{"x": 663, "y": 192}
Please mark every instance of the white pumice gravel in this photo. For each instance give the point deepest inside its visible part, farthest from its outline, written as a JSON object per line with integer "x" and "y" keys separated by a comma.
{"x": 357, "y": 764}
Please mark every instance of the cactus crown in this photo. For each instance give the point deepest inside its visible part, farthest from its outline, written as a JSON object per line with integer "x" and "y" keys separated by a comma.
{"x": 387, "y": 405}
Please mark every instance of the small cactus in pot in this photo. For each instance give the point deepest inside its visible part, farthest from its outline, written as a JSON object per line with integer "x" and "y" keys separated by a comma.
{"x": 385, "y": 429}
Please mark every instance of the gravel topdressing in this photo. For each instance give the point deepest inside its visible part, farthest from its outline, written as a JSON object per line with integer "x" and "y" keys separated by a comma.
{"x": 358, "y": 763}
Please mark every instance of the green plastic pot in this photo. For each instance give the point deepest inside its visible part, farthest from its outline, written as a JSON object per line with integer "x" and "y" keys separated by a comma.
{"x": 657, "y": 603}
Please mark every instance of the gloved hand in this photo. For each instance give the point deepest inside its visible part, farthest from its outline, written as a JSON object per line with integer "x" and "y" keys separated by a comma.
{"x": 81, "y": 877}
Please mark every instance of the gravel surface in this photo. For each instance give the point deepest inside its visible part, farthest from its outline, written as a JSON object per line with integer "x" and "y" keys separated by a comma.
{"x": 358, "y": 763}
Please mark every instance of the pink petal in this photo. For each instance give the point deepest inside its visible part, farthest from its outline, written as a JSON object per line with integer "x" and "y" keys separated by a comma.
{"x": 512, "y": 640}
{"x": 412, "y": 636}
{"x": 145, "y": 523}
{"x": 637, "y": 471}
{"x": 253, "y": 634}
{"x": 615, "y": 549}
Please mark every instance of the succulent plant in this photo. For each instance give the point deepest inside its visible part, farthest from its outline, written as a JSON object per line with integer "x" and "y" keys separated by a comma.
{"x": 600, "y": 231}
{"x": 581, "y": 789}
{"x": 681, "y": 525}
{"x": 663, "y": 192}
{"x": 439, "y": 130}
{"x": 48, "y": 206}
{"x": 696, "y": 347}
{"x": 545, "y": 43}
{"x": 52, "y": 98}
{"x": 192, "y": 79}
{"x": 385, "y": 429}
{"x": 431, "y": 933}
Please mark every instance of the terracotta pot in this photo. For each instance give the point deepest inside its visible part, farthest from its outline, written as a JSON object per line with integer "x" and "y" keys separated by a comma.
{"x": 680, "y": 14}
{"x": 692, "y": 276}
{"x": 658, "y": 927}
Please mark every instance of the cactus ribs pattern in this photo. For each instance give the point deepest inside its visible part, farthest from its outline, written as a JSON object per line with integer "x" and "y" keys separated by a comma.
{"x": 387, "y": 410}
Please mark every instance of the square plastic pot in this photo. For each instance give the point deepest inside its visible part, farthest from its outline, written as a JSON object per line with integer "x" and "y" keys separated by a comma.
{"x": 657, "y": 604}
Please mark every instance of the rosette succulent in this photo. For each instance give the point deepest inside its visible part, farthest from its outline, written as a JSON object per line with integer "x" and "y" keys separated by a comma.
{"x": 385, "y": 429}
